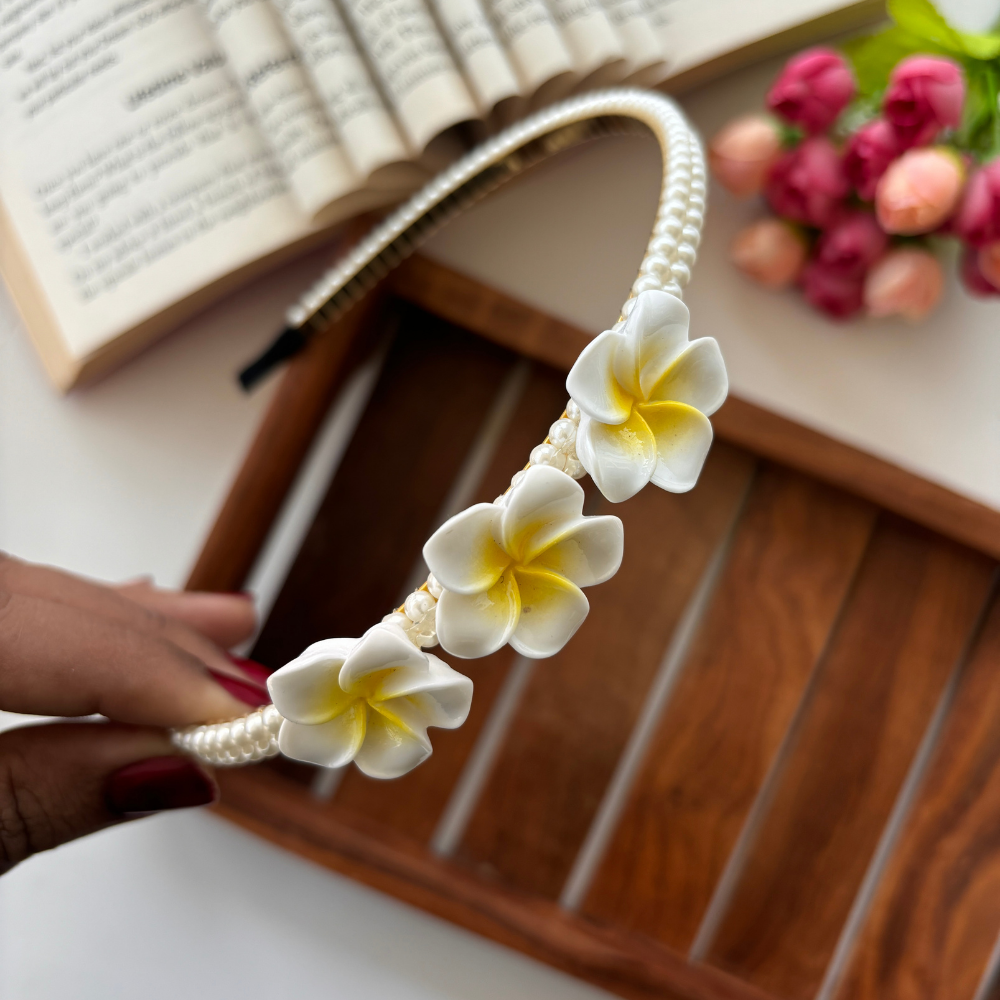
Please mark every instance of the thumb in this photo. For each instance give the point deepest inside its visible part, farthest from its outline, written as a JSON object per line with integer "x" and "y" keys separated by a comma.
{"x": 65, "y": 780}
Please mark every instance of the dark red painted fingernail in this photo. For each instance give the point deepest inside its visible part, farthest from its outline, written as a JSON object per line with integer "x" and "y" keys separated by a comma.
{"x": 248, "y": 691}
{"x": 157, "y": 784}
{"x": 256, "y": 671}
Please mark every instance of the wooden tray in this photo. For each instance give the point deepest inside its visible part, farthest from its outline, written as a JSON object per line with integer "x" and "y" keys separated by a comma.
{"x": 769, "y": 764}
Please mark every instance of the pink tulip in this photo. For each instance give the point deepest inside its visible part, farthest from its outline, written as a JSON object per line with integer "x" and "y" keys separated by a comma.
{"x": 852, "y": 244}
{"x": 742, "y": 153}
{"x": 988, "y": 259}
{"x": 839, "y": 296}
{"x": 906, "y": 282}
{"x": 972, "y": 277}
{"x": 770, "y": 251}
{"x": 919, "y": 191}
{"x": 813, "y": 88}
{"x": 808, "y": 184}
{"x": 925, "y": 95}
{"x": 978, "y": 218}
{"x": 868, "y": 154}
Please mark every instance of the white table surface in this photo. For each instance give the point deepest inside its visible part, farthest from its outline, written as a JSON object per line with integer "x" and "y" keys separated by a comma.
{"x": 125, "y": 478}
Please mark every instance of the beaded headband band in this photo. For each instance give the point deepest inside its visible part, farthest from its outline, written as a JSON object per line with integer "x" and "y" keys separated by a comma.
{"x": 512, "y": 571}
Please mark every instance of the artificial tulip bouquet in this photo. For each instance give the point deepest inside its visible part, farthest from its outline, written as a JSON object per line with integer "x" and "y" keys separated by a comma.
{"x": 871, "y": 159}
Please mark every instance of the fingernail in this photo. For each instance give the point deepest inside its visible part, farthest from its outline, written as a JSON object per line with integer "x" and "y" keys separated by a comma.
{"x": 257, "y": 671}
{"x": 157, "y": 784}
{"x": 249, "y": 692}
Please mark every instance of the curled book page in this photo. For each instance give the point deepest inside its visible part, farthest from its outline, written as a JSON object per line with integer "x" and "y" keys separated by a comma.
{"x": 286, "y": 107}
{"x": 414, "y": 66}
{"x": 597, "y": 51}
{"x": 487, "y": 70}
{"x": 534, "y": 45}
{"x": 647, "y": 58}
{"x": 341, "y": 78}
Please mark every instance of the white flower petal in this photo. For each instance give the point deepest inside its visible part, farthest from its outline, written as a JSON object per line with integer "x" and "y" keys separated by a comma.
{"x": 697, "y": 377}
{"x": 463, "y": 555}
{"x": 552, "y": 609}
{"x": 539, "y": 509}
{"x": 591, "y": 381}
{"x": 383, "y": 647}
{"x": 330, "y": 744}
{"x": 683, "y": 437}
{"x": 589, "y": 553}
{"x": 442, "y": 696}
{"x": 620, "y": 458}
{"x": 474, "y": 625}
{"x": 390, "y": 749}
{"x": 307, "y": 689}
{"x": 656, "y": 331}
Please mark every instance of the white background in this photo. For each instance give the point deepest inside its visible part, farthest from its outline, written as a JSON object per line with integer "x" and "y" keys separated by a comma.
{"x": 125, "y": 478}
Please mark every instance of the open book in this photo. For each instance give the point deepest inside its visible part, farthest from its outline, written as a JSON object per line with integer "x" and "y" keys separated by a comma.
{"x": 156, "y": 153}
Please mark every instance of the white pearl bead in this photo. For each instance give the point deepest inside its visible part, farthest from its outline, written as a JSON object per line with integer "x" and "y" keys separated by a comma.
{"x": 574, "y": 469}
{"x": 669, "y": 225}
{"x": 562, "y": 433}
{"x": 674, "y": 289}
{"x": 547, "y": 454}
{"x": 657, "y": 265}
{"x": 691, "y": 234}
{"x": 272, "y": 718}
{"x": 681, "y": 273}
{"x": 687, "y": 254}
{"x": 696, "y": 201}
{"x": 646, "y": 283}
{"x": 396, "y": 618}
{"x": 666, "y": 245}
{"x": 698, "y": 187}
{"x": 573, "y": 411}
{"x": 517, "y": 479}
{"x": 417, "y": 605}
{"x": 678, "y": 191}
{"x": 675, "y": 206}
{"x": 695, "y": 217}
{"x": 434, "y": 587}
{"x": 628, "y": 307}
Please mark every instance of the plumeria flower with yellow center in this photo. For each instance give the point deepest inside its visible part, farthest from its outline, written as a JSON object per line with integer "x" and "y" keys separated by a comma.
{"x": 645, "y": 394}
{"x": 513, "y": 572}
{"x": 369, "y": 700}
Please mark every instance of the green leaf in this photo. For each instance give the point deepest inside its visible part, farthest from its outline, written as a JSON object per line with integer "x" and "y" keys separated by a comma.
{"x": 920, "y": 17}
{"x": 874, "y": 56}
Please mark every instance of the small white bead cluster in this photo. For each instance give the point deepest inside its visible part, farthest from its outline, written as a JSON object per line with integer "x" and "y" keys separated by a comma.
{"x": 228, "y": 744}
{"x": 418, "y": 619}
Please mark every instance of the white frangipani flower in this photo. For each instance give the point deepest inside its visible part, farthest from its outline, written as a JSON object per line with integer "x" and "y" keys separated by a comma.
{"x": 645, "y": 394}
{"x": 369, "y": 700}
{"x": 513, "y": 573}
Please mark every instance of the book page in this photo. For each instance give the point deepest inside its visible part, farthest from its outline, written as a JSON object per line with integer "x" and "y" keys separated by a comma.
{"x": 288, "y": 111}
{"x": 130, "y": 166}
{"x": 597, "y": 51}
{"x": 414, "y": 66}
{"x": 486, "y": 68}
{"x": 644, "y": 50}
{"x": 349, "y": 95}
{"x": 534, "y": 45}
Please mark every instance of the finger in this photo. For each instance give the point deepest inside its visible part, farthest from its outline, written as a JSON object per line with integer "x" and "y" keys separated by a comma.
{"x": 59, "y": 782}
{"x": 58, "y": 660}
{"x": 54, "y": 585}
{"x": 226, "y": 619}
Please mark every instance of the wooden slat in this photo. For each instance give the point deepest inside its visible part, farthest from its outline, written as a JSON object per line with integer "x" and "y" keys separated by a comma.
{"x": 292, "y": 420}
{"x": 909, "y": 617}
{"x": 504, "y": 320}
{"x": 792, "y": 562}
{"x": 629, "y": 967}
{"x": 412, "y": 805}
{"x": 936, "y": 914}
{"x": 434, "y": 392}
{"x": 581, "y": 704}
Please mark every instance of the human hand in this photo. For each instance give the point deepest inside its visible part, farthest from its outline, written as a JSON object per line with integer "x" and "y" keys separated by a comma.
{"x": 146, "y": 659}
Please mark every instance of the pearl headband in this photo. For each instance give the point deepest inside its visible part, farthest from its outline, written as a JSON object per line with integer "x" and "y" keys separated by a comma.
{"x": 512, "y": 571}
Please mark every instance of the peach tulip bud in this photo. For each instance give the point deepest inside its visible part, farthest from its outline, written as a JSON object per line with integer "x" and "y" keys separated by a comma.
{"x": 988, "y": 259}
{"x": 770, "y": 251}
{"x": 741, "y": 153}
{"x": 906, "y": 282}
{"x": 919, "y": 191}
